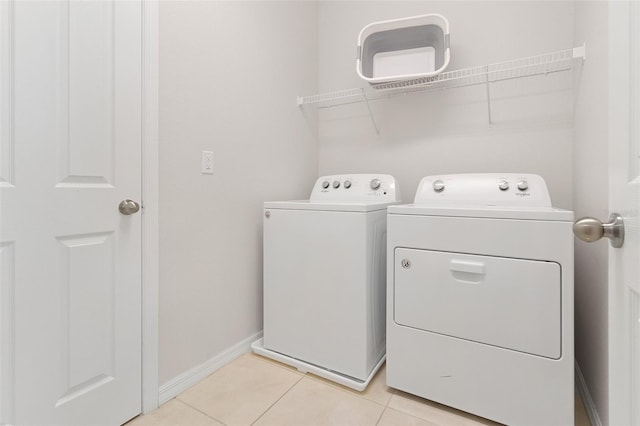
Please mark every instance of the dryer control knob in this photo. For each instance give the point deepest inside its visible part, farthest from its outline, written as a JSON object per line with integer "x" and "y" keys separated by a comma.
{"x": 375, "y": 184}
{"x": 523, "y": 185}
{"x": 347, "y": 184}
{"x": 438, "y": 186}
{"x": 503, "y": 185}
{"x": 325, "y": 184}
{"x": 336, "y": 184}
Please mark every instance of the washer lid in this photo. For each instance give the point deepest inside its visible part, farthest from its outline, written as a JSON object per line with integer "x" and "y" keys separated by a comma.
{"x": 326, "y": 206}
{"x": 492, "y": 212}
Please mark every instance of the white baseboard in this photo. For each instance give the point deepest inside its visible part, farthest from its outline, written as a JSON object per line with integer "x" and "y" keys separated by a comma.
{"x": 589, "y": 405}
{"x": 184, "y": 381}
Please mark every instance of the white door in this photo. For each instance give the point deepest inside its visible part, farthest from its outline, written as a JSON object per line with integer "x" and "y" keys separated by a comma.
{"x": 70, "y": 96}
{"x": 624, "y": 198}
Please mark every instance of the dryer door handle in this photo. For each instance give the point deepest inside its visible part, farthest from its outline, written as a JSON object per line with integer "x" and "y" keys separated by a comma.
{"x": 466, "y": 267}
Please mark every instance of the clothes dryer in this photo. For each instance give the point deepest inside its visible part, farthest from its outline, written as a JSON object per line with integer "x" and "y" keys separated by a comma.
{"x": 480, "y": 298}
{"x": 325, "y": 278}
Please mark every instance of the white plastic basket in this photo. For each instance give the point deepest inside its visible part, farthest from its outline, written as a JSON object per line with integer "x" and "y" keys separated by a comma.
{"x": 405, "y": 49}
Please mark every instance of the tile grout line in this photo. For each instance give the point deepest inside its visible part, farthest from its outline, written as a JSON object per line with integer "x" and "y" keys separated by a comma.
{"x": 392, "y": 391}
{"x": 199, "y": 411}
{"x": 278, "y": 400}
{"x": 302, "y": 375}
{"x": 380, "y": 416}
{"x": 415, "y": 417}
{"x": 319, "y": 379}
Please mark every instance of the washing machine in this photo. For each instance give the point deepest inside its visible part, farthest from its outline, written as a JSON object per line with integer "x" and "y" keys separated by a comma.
{"x": 325, "y": 279}
{"x": 480, "y": 298}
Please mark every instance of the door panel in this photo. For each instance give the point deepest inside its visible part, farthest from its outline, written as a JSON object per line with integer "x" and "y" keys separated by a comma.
{"x": 87, "y": 308}
{"x": 6, "y": 80}
{"x": 624, "y": 198}
{"x": 87, "y": 45}
{"x": 635, "y": 356}
{"x": 7, "y": 242}
{"x": 505, "y": 302}
{"x": 73, "y": 107}
{"x": 7, "y": 330}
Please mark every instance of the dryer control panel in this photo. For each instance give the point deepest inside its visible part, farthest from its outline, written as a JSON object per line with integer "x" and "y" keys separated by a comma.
{"x": 356, "y": 188}
{"x": 484, "y": 189}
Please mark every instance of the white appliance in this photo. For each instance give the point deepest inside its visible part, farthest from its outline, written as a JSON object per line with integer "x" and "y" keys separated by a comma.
{"x": 480, "y": 298}
{"x": 325, "y": 279}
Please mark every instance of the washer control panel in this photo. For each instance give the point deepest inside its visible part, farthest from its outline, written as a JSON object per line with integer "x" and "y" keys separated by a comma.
{"x": 355, "y": 188}
{"x": 484, "y": 189}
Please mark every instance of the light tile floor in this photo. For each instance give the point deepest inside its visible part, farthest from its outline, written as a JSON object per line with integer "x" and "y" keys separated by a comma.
{"x": 253, "y": 390}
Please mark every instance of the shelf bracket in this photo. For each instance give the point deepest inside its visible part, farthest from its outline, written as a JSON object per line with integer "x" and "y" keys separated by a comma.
{"x": 580, "y": 52}
{"x": 488, "y": 85}
{"x": 373, "y": 120}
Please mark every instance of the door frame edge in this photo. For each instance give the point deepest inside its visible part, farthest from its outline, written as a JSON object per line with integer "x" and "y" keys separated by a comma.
{"x": 150, "y": 193}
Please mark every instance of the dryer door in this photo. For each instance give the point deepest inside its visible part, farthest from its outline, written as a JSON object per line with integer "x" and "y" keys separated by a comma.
{"x": 504, "y": 302}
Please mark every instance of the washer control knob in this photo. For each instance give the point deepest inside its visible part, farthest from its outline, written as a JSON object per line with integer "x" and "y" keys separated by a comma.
{"x": 503, "y": 185}
{"x": 375, "y": 184}
{"x": 523, "y": 185}
{"x": 325, "y": 184}
{"x": 438, "y": 185}
{"x": 336, "y": 184}
{"x": 347, "y": 184}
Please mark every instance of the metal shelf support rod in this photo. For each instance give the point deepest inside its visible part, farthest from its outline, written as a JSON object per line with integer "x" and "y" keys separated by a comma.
{"x": 373, "y": 120}
{"x": 488, "y": 96}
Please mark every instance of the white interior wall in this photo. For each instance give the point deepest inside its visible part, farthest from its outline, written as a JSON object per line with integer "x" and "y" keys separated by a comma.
{"x": 229, "y": 76}
{"x": 448, "y": 132}
{"x": 230, "y": 72}
{"x": 591, "y": 193}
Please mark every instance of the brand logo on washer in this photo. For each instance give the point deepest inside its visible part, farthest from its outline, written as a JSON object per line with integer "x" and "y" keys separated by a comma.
{"x": 406, "y": 263}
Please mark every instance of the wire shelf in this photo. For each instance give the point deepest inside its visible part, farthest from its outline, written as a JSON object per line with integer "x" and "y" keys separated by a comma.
{"x": 485, "y": 74}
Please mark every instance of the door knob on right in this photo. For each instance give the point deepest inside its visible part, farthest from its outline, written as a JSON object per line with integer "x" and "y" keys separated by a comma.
{"x": 590, "y": 229}
{"x": 127, "y": 207}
